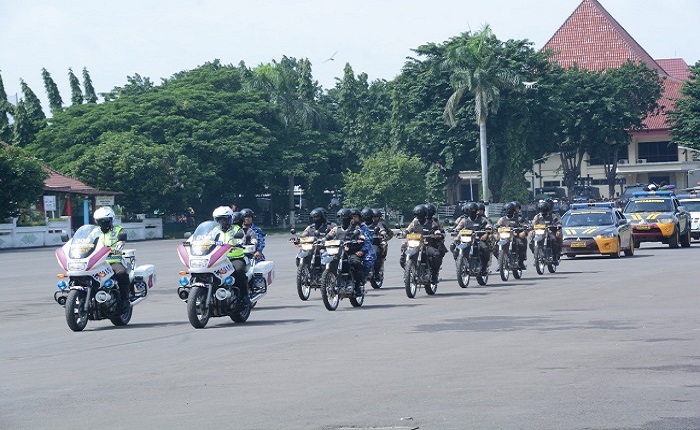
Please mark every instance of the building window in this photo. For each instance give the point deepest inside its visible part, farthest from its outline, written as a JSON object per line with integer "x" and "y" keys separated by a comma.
{"x": 657, "y": 152}
{"x": 552, "y": 183}
{"x": 622, "y": 158}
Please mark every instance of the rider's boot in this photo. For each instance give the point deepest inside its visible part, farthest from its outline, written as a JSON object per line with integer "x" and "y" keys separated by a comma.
{"x": 484, "y": 269}
{"x": 245, "y": 295}
{"x": 521, "y": 264}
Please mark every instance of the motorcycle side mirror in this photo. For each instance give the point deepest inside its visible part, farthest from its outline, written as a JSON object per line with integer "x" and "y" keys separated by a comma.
{"x": 293, "y": 231}
{"x": 64, "y": 237}
{"x": 356, "y": 234}
{"x": 238, "y": 235}
{"x": 187, "y": 234}
{"x": 121, "y": 237}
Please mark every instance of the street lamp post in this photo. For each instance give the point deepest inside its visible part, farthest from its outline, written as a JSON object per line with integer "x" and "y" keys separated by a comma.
{"x": 538, "y": 160}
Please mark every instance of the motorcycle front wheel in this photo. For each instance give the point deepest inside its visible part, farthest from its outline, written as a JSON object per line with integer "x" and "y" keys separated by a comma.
{"x": 503, "y": 266}
{"x": 410, "y": 279}
{"x": 463, "y": 272}
{"x": 197, "y": 309}
{"x": 328, "y": 290}
{"x": 539, "y": 260}
{"x": 76, "y": 315}
{"x": 303, "y": 281}
{"x": 377, "y": 280}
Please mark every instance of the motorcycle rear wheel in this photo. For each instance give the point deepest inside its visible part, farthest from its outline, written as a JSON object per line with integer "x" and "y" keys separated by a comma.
{"x": 357, "y": 301}
{"x": 463, "y": 273}
{"x": 303, "y": 281}
{"x": 377, "y": 281}
{"x": 241, "y": 316}
{"x": 328, "y": 290}
{"x": 123, "y": 318}
{"x": 76, "y": 315}
{"x": 197, "y": 310}
{"x": 410, "y": 279}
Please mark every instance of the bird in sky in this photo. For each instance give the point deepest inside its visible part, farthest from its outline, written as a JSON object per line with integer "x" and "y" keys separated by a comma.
{"x": 330, "y": 58}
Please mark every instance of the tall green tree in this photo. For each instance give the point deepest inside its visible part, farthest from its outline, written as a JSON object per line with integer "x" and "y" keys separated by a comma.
{"x": 685, "y": 129}
{"x": 387, "y": 179}
{"x": 76, "y": 94}
{"x": 21, "y": 180}
{"x": 5, "y": 110}
{"x": 33, "y": 113}
{"x": 289, "y": 86}
{"x": 474, "y": 67}
{"x": 90, "y": 95}
{"x": 630, "y": 94}
{"x": 22, "y": 130}
{"x": 55, "y": 100}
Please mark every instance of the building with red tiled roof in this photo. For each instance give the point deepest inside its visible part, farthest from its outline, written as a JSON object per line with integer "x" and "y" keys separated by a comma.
{"x": 592, "y": 39}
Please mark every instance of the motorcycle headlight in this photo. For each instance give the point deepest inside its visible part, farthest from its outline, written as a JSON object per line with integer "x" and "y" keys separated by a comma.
{"x": 504, "y": 235}
{"x": 307, "y": 246}
{"x": 465, "y": 239}
{"x": 77, "y": 265}
{"x": 332, "y": 251}
{"x": 539, "y": 231}
{"x": 199, "y": 263}
{"x": 414, "y": 243}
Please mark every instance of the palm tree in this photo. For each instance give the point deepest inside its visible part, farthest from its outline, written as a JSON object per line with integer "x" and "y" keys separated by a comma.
{"x": 474, "y": 67}
{"x": 290, "y": 87}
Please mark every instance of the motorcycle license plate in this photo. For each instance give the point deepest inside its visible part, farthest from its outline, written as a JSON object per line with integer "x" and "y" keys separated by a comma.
{"x": 578, "y": 244}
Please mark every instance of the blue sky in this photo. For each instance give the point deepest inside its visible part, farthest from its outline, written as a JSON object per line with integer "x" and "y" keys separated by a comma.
{"x": 157, "y": 38}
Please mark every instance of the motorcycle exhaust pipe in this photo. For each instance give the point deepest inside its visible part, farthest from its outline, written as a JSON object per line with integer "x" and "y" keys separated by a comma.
{"x": 61, "y": 300}
{"x": 102, "y": 297}
{"x": 183, "y": 293}
{"x": 223, "y": 294}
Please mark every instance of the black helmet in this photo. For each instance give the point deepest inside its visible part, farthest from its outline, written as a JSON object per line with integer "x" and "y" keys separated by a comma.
{"x": 472, "y": 209}
{"x": 517, "y": 204}
{"x": 465, "y": 208}
{"x": 367, "y": 214}
{"x": 431, "y": 209}
{"x": 318, "y": 212}
{"x": 481, "y": 206}
{"x": 543, "y": 207}
{"x": 237, "y": 218}
{"x": 420, "y": 211}
{"x": 509, "y": 209}
{"x": 344, "y": 213}
{"x": 355, "y": 211}
{"x": 246, "y": 212}
{"x": 377, "y": 213}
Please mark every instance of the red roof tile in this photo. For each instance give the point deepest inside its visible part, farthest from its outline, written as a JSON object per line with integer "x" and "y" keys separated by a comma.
{"x": 675, "y": 67}
{"x": 592, "y": 39}
{"x": 60, "y": 183}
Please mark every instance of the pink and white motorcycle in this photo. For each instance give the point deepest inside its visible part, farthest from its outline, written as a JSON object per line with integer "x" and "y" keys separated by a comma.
{"x": 208, "y": 285}
{"x": 87, "y": 289}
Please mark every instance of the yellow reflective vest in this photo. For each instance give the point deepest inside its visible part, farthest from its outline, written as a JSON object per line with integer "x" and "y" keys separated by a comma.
{"x": 227, "y": 237}
{"x": 110, "y": 240}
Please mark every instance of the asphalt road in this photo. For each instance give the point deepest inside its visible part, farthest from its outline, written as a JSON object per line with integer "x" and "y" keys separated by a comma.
{"x": 601, "y": 344}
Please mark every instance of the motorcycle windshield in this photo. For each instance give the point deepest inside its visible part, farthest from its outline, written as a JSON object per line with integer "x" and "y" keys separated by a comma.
{"x": 204, "y": 239}
{"x": 84, "y": 242}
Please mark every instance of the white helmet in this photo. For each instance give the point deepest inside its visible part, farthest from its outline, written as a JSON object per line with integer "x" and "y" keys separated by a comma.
{"x": 104, "y": 217}
{"x": 224, "y": 216}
